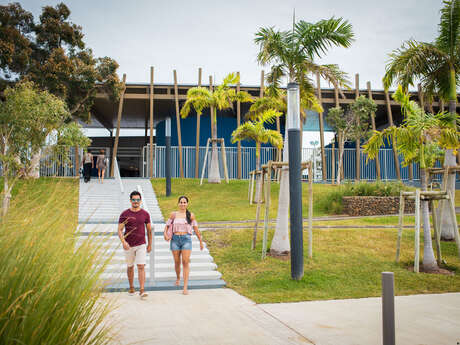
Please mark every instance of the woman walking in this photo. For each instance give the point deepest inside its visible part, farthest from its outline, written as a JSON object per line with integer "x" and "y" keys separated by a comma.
{"x": 101, "y": 165}
{"x": 178, "y": 230}
{"x": 88, "y": 164}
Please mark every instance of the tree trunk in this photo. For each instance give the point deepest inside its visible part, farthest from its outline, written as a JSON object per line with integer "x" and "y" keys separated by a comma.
{"x": 429, "y": 261}
{"x": 280, "y": 243}
{"x": 447, "y": 225}
{"x": 258, "y": 193}
{"x": 33, "y": 170}
{"x": 341, "y": 149}
{"x": 6, "y": 194}
{"x": 214, "y": 174}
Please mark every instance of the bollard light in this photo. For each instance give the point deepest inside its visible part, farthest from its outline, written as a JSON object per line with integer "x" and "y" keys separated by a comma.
{"x": 295, "y": 183}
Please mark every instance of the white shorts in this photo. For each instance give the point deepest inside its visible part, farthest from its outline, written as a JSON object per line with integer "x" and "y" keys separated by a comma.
{"x": 136, "y": 255}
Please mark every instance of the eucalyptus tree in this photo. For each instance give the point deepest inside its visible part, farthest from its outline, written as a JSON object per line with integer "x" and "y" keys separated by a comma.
{"x": 422, "y": 138}
{"x": 351, "y": 124}
{"x": 221, "y": 98}
{"x": 255, "y": 130}
{"x": 27, "y": 117}
{"x": 436, "y": 66}
{"x": 51, "y": 52}
{"x": 291, "y": 54}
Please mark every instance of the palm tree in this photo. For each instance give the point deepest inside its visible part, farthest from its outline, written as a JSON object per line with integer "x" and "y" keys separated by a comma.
{"x": 423, "y": 138}
{"x": 291, "y": 54}
{"x": 255, "y": 130}
{"x": 221, "y": 98}
{"x": 436, "y": 66}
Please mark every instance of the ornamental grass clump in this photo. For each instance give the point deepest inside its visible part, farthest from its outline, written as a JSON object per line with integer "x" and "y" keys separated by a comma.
{"x": 50, "y": 284}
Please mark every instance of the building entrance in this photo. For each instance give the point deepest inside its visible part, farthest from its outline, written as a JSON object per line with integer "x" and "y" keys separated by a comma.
{"x": 130, "y": 161}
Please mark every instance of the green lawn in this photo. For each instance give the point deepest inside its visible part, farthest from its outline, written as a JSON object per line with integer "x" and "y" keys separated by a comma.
{"x": 229, "y": 202}
{"x": 47, "y": 192}
{"x": 345, "y": 264}
{"x": 211, "y": 202}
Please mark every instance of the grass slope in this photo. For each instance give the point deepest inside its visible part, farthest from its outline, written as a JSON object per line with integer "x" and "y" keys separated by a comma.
{"x": 345, "y": 264}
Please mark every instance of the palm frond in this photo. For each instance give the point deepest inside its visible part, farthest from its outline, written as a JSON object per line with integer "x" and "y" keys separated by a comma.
{"x": 411, "y": 61}
{"x": 317, "y": 38}
{"x": 449, "y": 28}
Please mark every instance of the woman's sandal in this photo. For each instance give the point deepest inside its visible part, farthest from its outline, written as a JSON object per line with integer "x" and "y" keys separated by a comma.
{"x": 131, "y": 292}
{"x": 143, "y": 294}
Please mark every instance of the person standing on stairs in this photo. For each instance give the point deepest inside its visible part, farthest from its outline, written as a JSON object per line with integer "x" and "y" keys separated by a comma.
{"x": 88, "y": 164}
{"x": 101, "y": 165}
{"x": 178, "y": 230}
{"x": 135, "y": 220}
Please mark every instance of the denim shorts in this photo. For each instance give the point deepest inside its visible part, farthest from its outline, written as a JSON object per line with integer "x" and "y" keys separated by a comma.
{"x": 181, "y": 242}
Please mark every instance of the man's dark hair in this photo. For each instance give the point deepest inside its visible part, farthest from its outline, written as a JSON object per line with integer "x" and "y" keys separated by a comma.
{"x": 135, "y": 193}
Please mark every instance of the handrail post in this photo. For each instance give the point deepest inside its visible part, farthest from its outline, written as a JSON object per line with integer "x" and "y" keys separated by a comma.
{"x": 152, "y": 256}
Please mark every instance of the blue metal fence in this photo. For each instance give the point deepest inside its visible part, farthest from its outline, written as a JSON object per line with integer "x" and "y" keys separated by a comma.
{"x": 248, "y": 162}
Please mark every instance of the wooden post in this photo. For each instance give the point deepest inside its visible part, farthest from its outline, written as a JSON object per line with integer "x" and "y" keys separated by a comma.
{"x": 253, "y": 177}
{"x": 151, "y": 124}
{"x": 374, "y": 128}
{"x": 224, "y": 159}
{"x": 390, "y": 121}
{"x": 454, "y": 220}
{"x": 441, "y": 104}
{"x": 337, "y": 104}
{"x": 358, "y": 140}
{"x": 179, "y": 133}
{"x": 238, "y": 123}
{"x": 212, "y": 110}
{"x": 310, "y": 211}
{"x": 267, "y": 208}
{"x": 77, "y": 162}
{"x": 417, "y": 231}
{"x": 436, "y": 230}
{"x": 400, "y": 225}
{"x": 117, "y": 136}
{"x": 262, "y": 88}
{"x": 259, "y": 204}
{"x": 321, "y": 129}
{"x": 421, "y": 100}
{"x": 205, "y": 159}
{"x": 333, "y": 163}
{"x": 197, "y": 145}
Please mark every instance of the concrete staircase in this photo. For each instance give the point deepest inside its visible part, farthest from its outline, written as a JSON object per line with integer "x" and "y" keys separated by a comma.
{"x": 99, "y": 208}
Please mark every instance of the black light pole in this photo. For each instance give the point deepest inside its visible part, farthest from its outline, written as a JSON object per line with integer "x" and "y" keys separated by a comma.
{"x": 295, "y": 183}
{"x": 168, "y": 155}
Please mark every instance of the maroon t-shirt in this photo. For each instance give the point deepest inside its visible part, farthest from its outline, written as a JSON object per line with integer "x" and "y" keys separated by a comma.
{"x": 135, "y": 226}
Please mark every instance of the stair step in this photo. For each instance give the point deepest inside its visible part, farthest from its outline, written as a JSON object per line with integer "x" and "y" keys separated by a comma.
{"x": 165, "y": 267}
{"x": 161, "y": 276}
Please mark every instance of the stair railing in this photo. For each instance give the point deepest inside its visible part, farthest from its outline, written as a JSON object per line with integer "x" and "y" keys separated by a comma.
{"x": 152, "y": 253}
{"x": 117, "y": 174}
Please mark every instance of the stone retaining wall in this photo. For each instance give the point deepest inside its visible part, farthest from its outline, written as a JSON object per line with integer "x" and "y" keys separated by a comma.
{"x": 374, "y": 205}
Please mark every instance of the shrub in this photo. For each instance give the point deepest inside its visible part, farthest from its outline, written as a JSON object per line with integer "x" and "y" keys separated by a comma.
{"x": 49, "y": 286}
{"x": 331, "y": 202}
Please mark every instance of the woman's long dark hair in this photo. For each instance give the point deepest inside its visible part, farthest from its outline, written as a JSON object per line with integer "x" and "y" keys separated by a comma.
{"x": 188, "y": 215}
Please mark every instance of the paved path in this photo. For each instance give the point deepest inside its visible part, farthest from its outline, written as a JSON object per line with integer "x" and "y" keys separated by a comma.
{"x": 221, "y": 316}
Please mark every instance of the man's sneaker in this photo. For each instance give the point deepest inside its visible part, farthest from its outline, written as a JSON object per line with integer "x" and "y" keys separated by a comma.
{"x": 131, "y": 292}
{"x": 143, "y": 294}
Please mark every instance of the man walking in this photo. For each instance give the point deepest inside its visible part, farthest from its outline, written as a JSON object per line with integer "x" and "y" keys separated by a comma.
{"x": 135, "y": 220}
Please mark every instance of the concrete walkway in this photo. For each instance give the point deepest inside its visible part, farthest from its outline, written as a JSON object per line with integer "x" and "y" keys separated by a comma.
{"x": 222, "y": 316}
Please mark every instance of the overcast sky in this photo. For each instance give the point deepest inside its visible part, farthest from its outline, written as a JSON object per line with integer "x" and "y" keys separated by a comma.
{"x": 218, "y": 35}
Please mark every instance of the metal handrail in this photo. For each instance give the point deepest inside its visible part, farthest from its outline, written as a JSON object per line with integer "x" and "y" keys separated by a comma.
{"x": 152, "y": 256}
{"x": 117, "y": 174}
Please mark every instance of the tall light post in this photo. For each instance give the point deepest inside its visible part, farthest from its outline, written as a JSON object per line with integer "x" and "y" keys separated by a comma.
{"x": 295, "y": 184}
{"x": 168, "y": 155}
